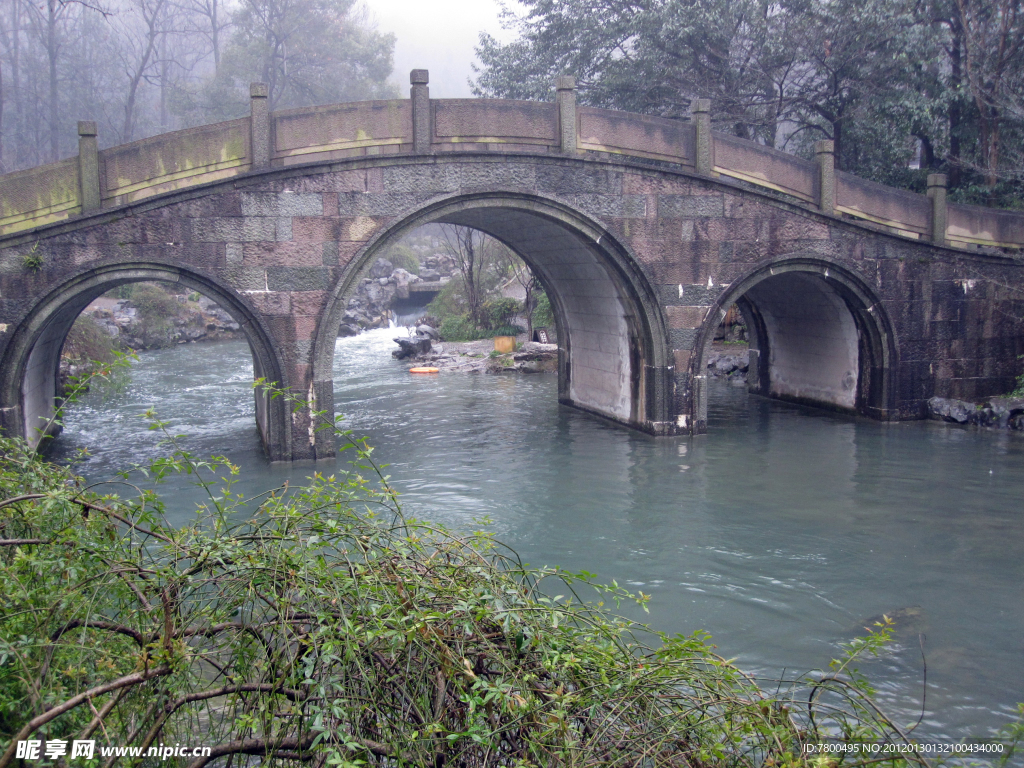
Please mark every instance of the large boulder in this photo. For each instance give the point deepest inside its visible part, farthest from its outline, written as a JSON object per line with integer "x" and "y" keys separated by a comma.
{"x": 726, "y": 363}
{"x": 952, "y": 410}
{"x": 409, "y": 348}
{"x": 381, "y": 268}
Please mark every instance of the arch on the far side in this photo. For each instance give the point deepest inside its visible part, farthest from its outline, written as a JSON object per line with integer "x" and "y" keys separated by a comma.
{"x": 817, "y": 335}
{"x": 614, "y": 356}
{"x": 29, "y": 368}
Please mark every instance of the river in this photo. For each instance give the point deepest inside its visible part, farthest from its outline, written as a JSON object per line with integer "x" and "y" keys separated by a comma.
{"x": 782, "y": 532}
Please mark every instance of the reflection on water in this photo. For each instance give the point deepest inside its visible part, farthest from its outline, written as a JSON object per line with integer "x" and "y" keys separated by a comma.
{"x": 782, "y": 532}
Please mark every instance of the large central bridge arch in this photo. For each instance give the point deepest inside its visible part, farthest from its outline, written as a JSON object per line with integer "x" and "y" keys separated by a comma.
{"x": 30, "y": 362}
{"x": 614, "y": 356}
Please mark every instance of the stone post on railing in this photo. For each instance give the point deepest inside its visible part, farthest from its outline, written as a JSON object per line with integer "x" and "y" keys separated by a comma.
{"x": 565, "y": 94}
{"x": 420, "y": 96}
{"x": 259, "y": 113}
{"x": 700, "y": 115}
{"x": 88, "y": 167}
{"x": 825, "y": 158}
{"x": 937, "y": 193}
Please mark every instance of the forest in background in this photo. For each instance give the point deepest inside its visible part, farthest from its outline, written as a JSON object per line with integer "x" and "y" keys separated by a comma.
{"x": 903, "y": 87}
{"x": 142, "y": 67}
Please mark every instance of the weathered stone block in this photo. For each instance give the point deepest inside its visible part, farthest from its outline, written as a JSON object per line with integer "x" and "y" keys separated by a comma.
{"x": 686, "y": 317}
{"x": 282, "y": 204}
{"x": 422, "y": 178}
{"x": 298, "y": 278}
{"x": 329, "y": 253}
{"x": 575, "y": 180}
{"x": 271, "y": 302}
{"x": 246, "y": 278}
{"x": 682, "y": 338}
{"x": 690, "y": 206}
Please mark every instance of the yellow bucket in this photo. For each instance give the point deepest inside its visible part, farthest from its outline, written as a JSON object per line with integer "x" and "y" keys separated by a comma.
{"x": 505, "y": 344}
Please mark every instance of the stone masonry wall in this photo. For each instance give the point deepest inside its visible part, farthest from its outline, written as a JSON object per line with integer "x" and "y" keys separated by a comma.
{"x": 283, "y": 242}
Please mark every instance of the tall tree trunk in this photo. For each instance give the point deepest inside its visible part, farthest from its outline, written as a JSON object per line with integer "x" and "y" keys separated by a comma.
{"x": 955, "y": 111}
{"x": 215, "y": 37}
{"x": 152, "y": 16}
{"x": 19, "y": 121}
{"x": 3, "y": 165}
{"x": 52, "y": 51}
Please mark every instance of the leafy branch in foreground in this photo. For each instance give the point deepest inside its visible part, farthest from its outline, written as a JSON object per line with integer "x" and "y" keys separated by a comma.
{"x": 317, "y": 625}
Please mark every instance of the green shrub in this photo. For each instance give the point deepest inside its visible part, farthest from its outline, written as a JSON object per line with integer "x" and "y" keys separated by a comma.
{"x": 1018, "y": 391}
{"x": 402, "y": 257}
{"x": 543, "y": 317}
{"x": 88, "y": 348}
{"x": 499, "y": 312}
{"x": 87, "y": 342}
{"x": 157, "y": 308}
{"x": 460, "y": 328}
{"x": 450, "y": 301}
{"x": 33, "y": 260}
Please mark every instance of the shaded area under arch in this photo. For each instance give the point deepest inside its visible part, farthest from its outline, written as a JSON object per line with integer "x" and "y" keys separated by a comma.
{"x": 611, "y": 330}
{"x": 817, "y": 336}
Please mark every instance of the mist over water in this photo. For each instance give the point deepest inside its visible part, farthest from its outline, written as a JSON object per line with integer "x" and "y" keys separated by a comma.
{"x": 782, "y": 532}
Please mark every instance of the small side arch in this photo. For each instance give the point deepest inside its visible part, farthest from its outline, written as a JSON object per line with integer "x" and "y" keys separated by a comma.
{"x": 818, "y": 335}
{"x": 615, "y": 359}
{"x": 29, "y": 368}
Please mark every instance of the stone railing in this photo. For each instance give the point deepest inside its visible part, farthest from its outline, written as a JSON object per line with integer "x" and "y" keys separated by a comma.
{"x": 419, "y": 125}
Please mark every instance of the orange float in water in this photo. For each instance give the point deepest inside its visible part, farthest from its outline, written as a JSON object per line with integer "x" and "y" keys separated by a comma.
{"x": 423, "y": 370}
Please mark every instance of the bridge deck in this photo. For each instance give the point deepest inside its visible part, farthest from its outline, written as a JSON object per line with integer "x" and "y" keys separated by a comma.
{"x": 150, "y": 167}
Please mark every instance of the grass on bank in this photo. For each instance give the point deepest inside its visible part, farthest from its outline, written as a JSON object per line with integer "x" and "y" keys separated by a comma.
{"x": 318, "y": 626}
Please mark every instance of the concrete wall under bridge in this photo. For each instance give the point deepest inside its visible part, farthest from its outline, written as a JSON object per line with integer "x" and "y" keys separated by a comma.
{"x": 643, "y": 231}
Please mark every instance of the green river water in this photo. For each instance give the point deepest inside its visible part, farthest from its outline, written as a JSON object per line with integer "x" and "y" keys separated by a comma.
{"x": 782, "y": 532}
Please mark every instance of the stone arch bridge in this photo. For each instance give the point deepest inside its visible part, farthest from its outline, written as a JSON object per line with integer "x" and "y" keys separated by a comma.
{"x": 643, "y": 230}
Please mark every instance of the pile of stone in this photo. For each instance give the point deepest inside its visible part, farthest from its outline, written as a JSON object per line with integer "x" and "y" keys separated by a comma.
{"x": 416, "y": 347}
{"x": 203, "y": 320}
{"x": 730, "y": 365}
{"x": 371, "y": 305}
{"x": 476, "y": 356}
{"x": 995, "y": 413}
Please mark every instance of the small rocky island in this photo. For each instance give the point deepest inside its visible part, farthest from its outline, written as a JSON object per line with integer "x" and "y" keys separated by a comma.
{"x": 424, "y": 349}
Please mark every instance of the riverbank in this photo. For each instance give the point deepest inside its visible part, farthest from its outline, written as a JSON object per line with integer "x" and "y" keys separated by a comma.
{"x": 480, "y": 357}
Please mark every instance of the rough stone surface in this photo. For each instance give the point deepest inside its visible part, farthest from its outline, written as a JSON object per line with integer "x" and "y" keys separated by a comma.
{"x": 617, "y": 244}
{"x": 949, "y": 409}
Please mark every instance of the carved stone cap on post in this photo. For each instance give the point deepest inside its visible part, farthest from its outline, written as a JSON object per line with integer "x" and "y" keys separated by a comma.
{"x": 825, "y": 157}
{"x": 704, "y": 160}
{"x": 940, "y": 211}
{"x": 565, "y": 95}
{"x": 422, "y": 134}
{"x": 259, "y": 113}
{"x": 88, "y": 167}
